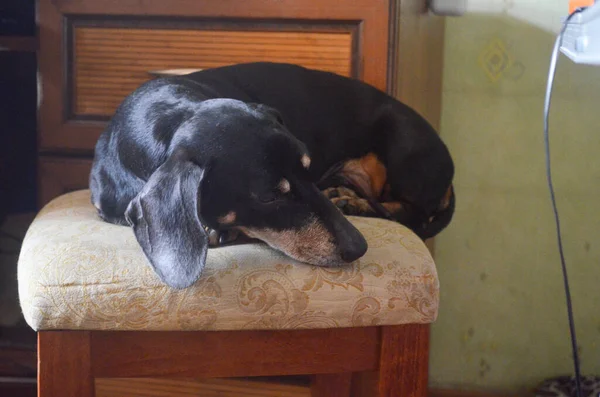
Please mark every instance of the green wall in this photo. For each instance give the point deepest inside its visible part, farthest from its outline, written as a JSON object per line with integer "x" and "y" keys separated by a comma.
{"x": 502, "y": 322}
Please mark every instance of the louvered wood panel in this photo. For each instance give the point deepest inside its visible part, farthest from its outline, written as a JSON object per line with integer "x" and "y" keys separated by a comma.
{"x": 108, "y": 63}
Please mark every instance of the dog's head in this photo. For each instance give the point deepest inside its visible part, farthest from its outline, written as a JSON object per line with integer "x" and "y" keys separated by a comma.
{"x": 235, "y": 165}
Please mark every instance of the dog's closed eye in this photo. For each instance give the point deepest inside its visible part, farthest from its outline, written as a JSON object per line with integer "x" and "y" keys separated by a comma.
{"x": 276, "y": 194}
{"x": 270, "y": 197}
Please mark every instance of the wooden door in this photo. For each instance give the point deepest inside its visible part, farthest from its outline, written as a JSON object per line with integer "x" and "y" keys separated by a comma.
{"x": 94, "y": 52}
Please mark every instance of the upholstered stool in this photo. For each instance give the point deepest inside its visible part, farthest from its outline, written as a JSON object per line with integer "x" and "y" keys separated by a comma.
{"x": 101, "y": 312}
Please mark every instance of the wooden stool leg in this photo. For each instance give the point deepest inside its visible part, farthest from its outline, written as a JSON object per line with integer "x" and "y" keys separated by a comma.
{"x": 64, "y": 364}
{"x": 331, "y": 385}
{"x": 403, "y": 364}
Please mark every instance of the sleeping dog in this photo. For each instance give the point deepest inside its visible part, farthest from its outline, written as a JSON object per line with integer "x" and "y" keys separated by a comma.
{"x": 250, "y": 148}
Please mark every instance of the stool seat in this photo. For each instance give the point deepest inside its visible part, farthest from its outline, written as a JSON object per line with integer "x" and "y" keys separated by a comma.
{"x": 77, "y": 272}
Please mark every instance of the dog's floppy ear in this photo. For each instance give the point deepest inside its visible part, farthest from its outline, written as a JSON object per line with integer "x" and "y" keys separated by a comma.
{"x": 166, "y": 222}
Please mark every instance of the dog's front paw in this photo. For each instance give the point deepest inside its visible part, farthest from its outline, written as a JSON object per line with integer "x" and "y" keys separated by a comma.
{"x": 353, "y": 206}
{"x": 338, "y": 192}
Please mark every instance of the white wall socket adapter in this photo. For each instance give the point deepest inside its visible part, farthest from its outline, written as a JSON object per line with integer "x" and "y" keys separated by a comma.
{"x": 452, "y": 8}
{"x": 581, "y": 39}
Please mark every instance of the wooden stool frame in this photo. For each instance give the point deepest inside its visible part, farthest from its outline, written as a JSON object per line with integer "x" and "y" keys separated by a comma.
{"x": 390, "y": 361}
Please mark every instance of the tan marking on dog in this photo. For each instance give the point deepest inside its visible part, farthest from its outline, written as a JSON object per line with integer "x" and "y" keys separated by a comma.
{"x": 312, "y": 244}
{"x": 376, "y": 171}
{"x": 227, "y": 219}
{"x": 445, "y": 203}
{"x": 305, "y": 160}
{"x": 354, "y": 172}
{"x": 368, "y": 173}
{"x": 284, "y": 186}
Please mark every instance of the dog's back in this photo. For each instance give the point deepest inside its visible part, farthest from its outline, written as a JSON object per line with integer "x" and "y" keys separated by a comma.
{"x": 328, "y": 112}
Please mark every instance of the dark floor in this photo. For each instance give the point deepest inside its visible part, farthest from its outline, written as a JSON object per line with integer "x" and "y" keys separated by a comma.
{"x": 18, "y": 362}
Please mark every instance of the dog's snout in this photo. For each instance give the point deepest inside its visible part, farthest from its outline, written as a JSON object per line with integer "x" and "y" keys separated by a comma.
{"x": 349, "y": 243}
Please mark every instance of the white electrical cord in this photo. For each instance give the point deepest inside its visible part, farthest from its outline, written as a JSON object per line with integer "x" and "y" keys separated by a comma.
{"x": 551, "y": 73}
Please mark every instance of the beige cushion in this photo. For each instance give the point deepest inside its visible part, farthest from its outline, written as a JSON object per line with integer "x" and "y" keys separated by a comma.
{"x": 78, "y": 272}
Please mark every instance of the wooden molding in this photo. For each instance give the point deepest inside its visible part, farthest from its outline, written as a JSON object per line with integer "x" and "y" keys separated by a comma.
{"x": 420, "y": 59}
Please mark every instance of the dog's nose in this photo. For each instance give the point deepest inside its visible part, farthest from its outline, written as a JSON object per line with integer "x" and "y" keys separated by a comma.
{"x": 353, "y": 249}
{"x": 353, "y": 253}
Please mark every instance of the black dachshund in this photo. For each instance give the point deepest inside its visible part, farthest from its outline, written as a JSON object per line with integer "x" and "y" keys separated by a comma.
{"x": 250, "y": 148}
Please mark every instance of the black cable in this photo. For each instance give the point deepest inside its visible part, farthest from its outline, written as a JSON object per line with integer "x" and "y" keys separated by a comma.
{"x": 548, "y": 98}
